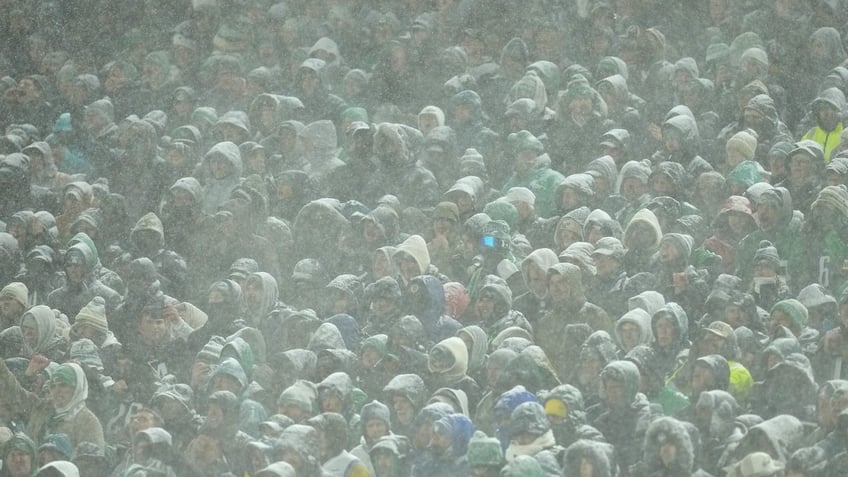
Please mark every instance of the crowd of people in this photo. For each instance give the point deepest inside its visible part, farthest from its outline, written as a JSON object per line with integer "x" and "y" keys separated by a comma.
{"x": 350, "y": 238}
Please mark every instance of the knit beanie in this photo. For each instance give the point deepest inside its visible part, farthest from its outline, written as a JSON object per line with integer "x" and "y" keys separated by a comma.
{"x": 94, "y": 315}
{"x": 682, "y": 242}
{"x": 484, "y": 450}
{"x": 211, "y": 351}
{"x": 744, "y": 143}
{"x": 520, "y": 194}
{"x": 16, "y": 291}
{"x": 834, "y": 196}
{"x": 767, "y": 252}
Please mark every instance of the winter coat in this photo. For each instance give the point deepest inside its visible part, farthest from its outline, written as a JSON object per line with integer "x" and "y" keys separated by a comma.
{"x": 74, "y": 419}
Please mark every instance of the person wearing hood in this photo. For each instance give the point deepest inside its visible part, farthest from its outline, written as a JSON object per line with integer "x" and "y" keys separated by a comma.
{"x": 440, "y": 155}
{"x": 448, "y": 448}
{"x": 222, "y": 426}
{"x": 829, "y": 355}
{"x": 319, "y": 144}
{"x": 531, "y": 435}
{"x": 174, "y": 403}
{"x": 390, "y": 455}
{"x": 448, "y": 364}
{"x": 805, "y": 178}
{"x": 231, "y": 375}
{"x": 332, "y": 437}
{"x": 677, "y": 279}
{"x": 261, "y": 299}
{"x": 670, "y": 325}
{"x": 827, "y": 249}
{"x": 760, "y": 115}
{"x": 183, "y": 220}
{"x": 492, "y": 308}
{"x": 39, "y": 334}
{"x": 771, "y": 442}
{"x": 633, "y": 329}
{"x": 623, "y": 411}
{"x": 19, "y": 457}
{"x": 662, "y": 395}
{"x": 735, "y": 220}
{"x": 609, "y": 285}
{"x": 777, "y": 224}
{"x": 532, "y": 169}
{"x": 336, "y": 394}
{"x": 81, "y": 283}
{"x": 42, "y": 168}
{"x": 831, "y": 401}
{"x": 567, "y": 416}
{"x": 62, "y": 411}
{"x": 581, "y": 113}
{"x": 589, "y": 458}
{"x": 575, "y": 191}
{"x": 569, "y": 316}
{"x": 632, "y": 186}
{"x": 468, "y": 119}
{"x": 827, "y": 109}
{"x": 383, "y": 300}
{"x": 669, "y": 450}
{"x": 599, "y": 225}
{"x": 425, "y": 297}
{"x": 641, "y": 238}
{"x": 682, "y": 145}
{"x": 715, "y": 419}
{"x": 223, "y": 168}
{"x": 351, "y": 180}
{"x": 148, "y": 240}
{"x": 42, "y": 275}
{"x": 623, "y": 106}
{"x": 534, "y": 270}
{"x": 597, "y": 351}
{"x": 397, "y": 171}
{"x": 13, "y": 302}
{"x": 152, "y": 451}
{"x": 405, "y": 394}
{"x": 375, "y": 425}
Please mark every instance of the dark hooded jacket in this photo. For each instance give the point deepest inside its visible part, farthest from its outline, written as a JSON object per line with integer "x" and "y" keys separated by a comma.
{"x": 621, "y": 424}
{"x": 398, "y": 173}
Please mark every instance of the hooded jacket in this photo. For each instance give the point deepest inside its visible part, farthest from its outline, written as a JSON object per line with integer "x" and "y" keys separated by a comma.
{"x": 667, "y": 357}
{"x": 785, "y": 235}
{"x": 49, "y": 341}
{"x": 398, "y": 173}
{"x": 829, "y": 140}
{"x": 620, "y": 425}
{"x": 686, "y": 130}
{"x": 639, "y": 318}
{"x": 532, "y": 303}
{"x": 73, "y": 418}
{"x": 637, "y": 259}
{"x": 72, "y": 297}
{"x": 600, "y": 454}
{"x": 504, "y": 317}
{"x": 668, "y": 431}
{"x": 217, "y": 191}
{"x": 412, "y": 388}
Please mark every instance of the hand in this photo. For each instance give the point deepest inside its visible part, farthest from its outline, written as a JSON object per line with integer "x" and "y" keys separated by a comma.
{"x": 655, "y": 131}
{"x": 440, "y": 243}
{"x": 680, "y": 281}
{"x": 171, "y": 314}
{"x": 36, "y": 364}
{"x": 120, "y": 387}
{"x": 833, "y": 341}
